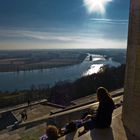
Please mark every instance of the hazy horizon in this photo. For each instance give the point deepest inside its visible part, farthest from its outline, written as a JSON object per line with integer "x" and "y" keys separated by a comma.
{"x": 22, "y": 49}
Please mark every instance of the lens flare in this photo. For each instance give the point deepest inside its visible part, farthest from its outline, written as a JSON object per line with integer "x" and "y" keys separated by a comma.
{"x": 96, "y": 6}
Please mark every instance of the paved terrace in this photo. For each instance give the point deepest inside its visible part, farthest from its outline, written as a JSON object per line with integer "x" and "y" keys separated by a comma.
{"x": 36, "y": 109}
{"x": 32, "y": 130}
{"x": 40, "y": 110}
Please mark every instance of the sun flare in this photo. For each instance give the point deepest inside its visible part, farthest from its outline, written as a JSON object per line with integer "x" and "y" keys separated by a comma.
{"x": 96, "y": 6}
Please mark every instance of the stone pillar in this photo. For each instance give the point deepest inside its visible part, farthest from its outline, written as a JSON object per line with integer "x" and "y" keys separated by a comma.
{"x": 0, "y": 115}
{"x": 131, "y": 108}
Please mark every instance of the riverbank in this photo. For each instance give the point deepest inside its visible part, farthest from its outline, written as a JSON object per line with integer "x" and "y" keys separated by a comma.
{"x": 38, "y": 60}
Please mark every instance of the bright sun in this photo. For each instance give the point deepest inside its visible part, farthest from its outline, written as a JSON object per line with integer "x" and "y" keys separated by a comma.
{"x": 96, "y": 6}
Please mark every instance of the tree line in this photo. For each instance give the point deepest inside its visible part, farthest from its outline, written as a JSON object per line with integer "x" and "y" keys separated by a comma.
{"x": 64, "y": 92}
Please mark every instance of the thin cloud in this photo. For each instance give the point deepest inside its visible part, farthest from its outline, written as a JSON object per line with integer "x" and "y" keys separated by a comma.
{"x": 110, "y": 21}
{"x": 46, "y": 36}
{"x": 33, "y": 35}
{"x": 78, "y": 40}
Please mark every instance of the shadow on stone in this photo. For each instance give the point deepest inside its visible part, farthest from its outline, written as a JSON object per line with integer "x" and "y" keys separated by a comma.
{"x": 129, "y": 135}
{"x": 70, "y": 136}
{"x": 7, "y": 119}
{"x": 102, "y": 134}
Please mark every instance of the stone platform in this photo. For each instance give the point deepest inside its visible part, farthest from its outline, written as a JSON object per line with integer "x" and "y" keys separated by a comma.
{"x": 116, "y": 132}
{"x": 33, "y": 129}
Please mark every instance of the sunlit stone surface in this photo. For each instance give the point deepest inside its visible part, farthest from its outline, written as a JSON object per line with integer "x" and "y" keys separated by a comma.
{"x": 131, "y": 110}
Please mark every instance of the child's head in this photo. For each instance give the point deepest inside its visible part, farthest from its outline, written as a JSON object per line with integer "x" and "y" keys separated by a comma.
{"x": 52, "y": 132}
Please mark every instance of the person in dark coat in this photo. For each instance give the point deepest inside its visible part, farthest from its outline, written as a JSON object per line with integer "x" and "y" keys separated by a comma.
{"x": 103, "y": 117}
{"x": 28, "y": 102}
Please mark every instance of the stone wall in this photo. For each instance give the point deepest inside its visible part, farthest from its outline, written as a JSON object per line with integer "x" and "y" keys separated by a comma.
{"x": 131, "y": 108}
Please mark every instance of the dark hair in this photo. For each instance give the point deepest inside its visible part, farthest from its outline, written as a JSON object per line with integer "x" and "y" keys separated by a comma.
{"x": 103, "y": 94}
{"x": 70, "y": 127}
{"x": 52, "y": 132}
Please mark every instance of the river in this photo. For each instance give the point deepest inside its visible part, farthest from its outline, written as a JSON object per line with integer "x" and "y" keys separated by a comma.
{"x": 10, "y": 81}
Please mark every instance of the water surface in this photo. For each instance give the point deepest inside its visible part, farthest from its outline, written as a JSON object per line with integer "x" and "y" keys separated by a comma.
{"x": 25, "y": 79}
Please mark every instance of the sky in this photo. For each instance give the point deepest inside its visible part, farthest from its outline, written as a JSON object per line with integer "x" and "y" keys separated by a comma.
{"x": 65, "y": 24}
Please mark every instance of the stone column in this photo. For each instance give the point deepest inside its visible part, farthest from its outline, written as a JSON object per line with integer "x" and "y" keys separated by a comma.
{"x": 131, "y": 107}
{"x": 0, "y": 115}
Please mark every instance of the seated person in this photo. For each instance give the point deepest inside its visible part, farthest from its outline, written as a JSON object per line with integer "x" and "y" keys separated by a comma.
{"x": 51, "y": 133}
{"x": 103, "y": 117}
{"x": 68, "y": 128}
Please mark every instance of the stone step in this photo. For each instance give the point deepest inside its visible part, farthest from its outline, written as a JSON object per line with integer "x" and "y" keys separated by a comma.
{"x": 116, "y": 132}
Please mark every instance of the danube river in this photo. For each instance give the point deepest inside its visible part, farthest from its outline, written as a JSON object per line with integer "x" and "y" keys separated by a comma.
{"x": 10, "y": 81}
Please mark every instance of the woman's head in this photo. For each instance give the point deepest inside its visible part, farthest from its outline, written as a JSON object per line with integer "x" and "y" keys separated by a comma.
{"x": 103, "y": 94}
{"x": 52, "y": 132}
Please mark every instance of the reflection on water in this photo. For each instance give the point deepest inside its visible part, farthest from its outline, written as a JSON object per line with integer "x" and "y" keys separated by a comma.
{"x": 25, "y": 79}
{"x": 99, "y": 61}
{"x": 95, "y": 68}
